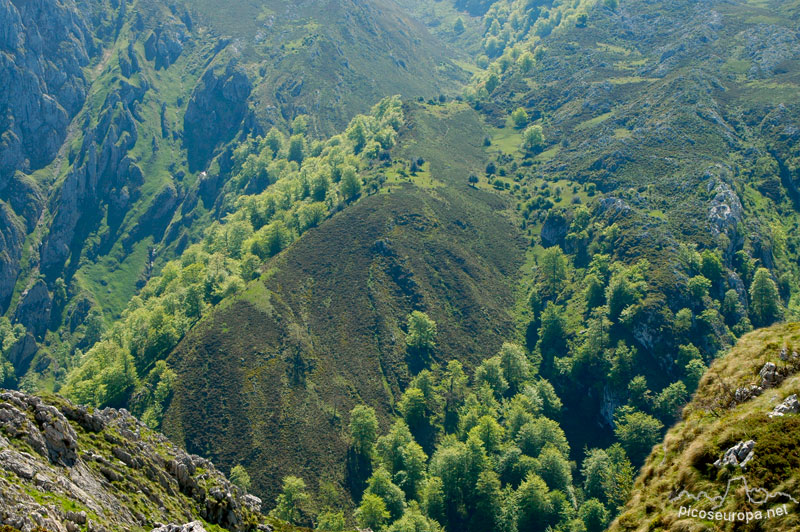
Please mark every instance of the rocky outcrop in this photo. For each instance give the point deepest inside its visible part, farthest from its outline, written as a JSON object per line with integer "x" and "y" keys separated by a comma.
{"x": 34, "y": 308}
{"x": 102, "y": 172}
{"x": 43, "y": 47}
{"x": 769, "y": 47}
{"x": 555, "y": 228}
{"x": 215, "y": 112}
{"x": 164, "y": 45}
{"x": 790, "y": 405}
{"x": 770, "y": 376}
{"x": 22, "y": 352}
{"x": 67, "y": 468}
{"x": 12, "y": 236}
{"x": 194, "y": 526}
{"x": 739, "y": 455}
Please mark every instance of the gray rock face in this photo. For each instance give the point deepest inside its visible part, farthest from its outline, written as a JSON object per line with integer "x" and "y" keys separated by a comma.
{"x": 739, "y": 455}
{"x": 12, "y": 236}
{"x": 101, "y": 171}
{"x": 769, "y": 375}
{"x": 555, "y": 228}
{"x": 790, "y": 405}
{"x": 165, "y": 45}
{"x": 726, "y": 213}
{"x": 217, "y": 107}
{"x": 746, "y": 393}
{"x": 22, "y": 352}
{"x": 34, "y": 309}
{"x": 108, "y": 464}
{"x": 194, "y": 526}
{"x": 44, "y": 46}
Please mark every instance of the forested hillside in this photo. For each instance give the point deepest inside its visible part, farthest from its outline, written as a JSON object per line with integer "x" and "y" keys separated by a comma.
{"x": 476, "y": 305}
{"x": 112, "y": 139}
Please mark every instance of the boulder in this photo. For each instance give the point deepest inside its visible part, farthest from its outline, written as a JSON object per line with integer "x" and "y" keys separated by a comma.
{"x": 739, "y": 455}
{"x": 745, "y": 393}
{"x": 790, "y": 405}
{"x": 769, "y": 375}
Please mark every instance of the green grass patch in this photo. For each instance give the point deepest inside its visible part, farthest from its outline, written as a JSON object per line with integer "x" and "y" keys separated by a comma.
{"x": 625, "y": 80}
{"x": 586, "y": 124}
{"x": 548, "y": 155}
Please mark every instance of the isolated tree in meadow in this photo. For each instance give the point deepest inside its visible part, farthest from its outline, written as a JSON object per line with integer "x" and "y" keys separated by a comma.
{"x": 519, "y": 117}
{"x": 363, "y": 429}
{"x": 765, "y": 306}
{"x": 421, "y": 331}
{"x": 458, "y": 27}
{"x": 533, "y": 138}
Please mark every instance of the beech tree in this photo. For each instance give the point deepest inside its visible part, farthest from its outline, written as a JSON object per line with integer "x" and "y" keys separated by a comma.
{"x": 765, "y": 307}
{"x": 297, "y": 146}
{"x": 421, "y": 331}
{"x": 363, "y": 429}
{"x": 240, "y": 477}
{"x": 289, "y": 502}
{"x": 372, "y": 512}
{"x": 519, "y": 117}
{"x": 533, "y": 138}
{"x": 637, "y": 432}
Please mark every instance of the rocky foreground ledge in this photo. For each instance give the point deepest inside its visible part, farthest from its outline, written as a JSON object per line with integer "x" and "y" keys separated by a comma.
{"x": 65, "y": 468}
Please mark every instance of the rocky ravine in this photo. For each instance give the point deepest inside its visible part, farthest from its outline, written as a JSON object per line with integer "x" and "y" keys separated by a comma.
{"x": 65, "y": 468}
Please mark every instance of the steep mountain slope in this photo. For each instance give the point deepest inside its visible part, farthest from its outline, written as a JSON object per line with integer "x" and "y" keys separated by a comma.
{"x": 619, "y": 97}
{"x": 742, "y": 398}
{"x": 65, "y": 467}
{"x": 326, "y": 59}
{"x": 139, "y": 83}
{"x": 614, "y": 195}
{"x": 324, "y": 330}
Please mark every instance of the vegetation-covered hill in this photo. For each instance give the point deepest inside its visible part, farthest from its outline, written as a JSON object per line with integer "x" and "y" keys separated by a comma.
{"x": 471, "y": 312}
{"x": 736, "y": 402}
{"x": 112, "y": 124}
